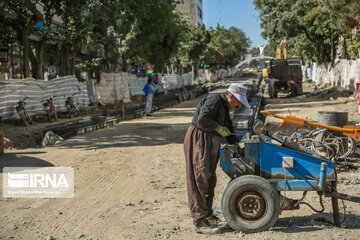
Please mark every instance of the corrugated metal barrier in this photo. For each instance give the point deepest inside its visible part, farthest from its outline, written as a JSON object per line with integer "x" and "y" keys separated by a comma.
{"x": 11, "y": 91}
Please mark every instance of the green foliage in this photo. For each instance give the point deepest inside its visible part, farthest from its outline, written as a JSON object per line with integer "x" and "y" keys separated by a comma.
{"x": 352, "y": 44}
{"x": 137, "y": 31}
{"x": 312, "y": 27}
{"x": 155, "y": 32}
{"x": 93, "y": 64}
{"x": 226, "y": 46}
{"x": 193, "y": 43}
{"x": 255, "y": 51}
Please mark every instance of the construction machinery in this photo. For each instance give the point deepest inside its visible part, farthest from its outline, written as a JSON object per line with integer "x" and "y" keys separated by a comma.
{"x": 281, "y": 51}
{"x": 286, "y": 71}
{"x": 262, "y": 165}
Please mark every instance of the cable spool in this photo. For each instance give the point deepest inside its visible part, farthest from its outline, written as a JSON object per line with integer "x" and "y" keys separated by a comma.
{"x": 335, "y": 119}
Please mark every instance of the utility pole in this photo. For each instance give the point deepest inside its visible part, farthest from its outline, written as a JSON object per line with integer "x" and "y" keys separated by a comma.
{"x": 220, "y": 11}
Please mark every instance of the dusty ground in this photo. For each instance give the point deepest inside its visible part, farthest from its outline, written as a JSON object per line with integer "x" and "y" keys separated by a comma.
{"x": 19, "y": 136}
{"x": 130, "y": 184}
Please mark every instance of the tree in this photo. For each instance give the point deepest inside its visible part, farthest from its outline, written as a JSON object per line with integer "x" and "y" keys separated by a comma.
{"x": 45, "y": 34}
{"x": 154, "y": 35}
{"x": 345, "y": 19}
{"x": 79, "y": 33}
{"x": 193, "y": 44}
{"x": 255, "y": 51}
{"x": 240, "y": 42}
{"x": 17, "y": 18}
{"x": 145, "y": 31}
{"x": 226, "y": 45}
{"x": 312, "y": 27}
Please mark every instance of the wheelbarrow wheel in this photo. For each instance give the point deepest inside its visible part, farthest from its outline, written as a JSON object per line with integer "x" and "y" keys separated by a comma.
{"x": 250, "y": 204}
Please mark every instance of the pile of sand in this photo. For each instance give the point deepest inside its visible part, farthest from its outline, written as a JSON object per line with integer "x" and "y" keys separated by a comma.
{"x": 328, "y": 93}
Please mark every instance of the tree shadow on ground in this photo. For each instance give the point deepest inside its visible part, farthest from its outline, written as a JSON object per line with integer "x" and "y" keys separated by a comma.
{"x": 130, "y": 134}
{"x": 313, "y": 223}
{"x": 20, "y": 160}
{"x": 165, "y": 113}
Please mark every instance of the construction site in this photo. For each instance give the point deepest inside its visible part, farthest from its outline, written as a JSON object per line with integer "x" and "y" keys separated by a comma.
{"x": 130, "y": 178}
{"x": 193, "y": 119}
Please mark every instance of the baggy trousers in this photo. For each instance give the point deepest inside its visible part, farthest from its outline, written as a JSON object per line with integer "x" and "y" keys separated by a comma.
{"x": 202, "y": 155}
{"x": 148, "y": 103}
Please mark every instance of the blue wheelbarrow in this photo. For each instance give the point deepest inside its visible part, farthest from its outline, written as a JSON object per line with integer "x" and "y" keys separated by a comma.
{"x": 263, "y": 167}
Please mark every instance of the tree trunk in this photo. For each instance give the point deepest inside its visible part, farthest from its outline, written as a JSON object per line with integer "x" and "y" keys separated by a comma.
{"x": 12, "y": 61}
{"x": 25, "y": 41}
{"x": 73, "y": 58}
{"x": 33, "y": 63}
{"x": 40, "y": 63}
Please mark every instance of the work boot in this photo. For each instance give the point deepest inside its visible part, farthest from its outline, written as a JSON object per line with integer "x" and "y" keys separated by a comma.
{"x": 204, "y": 223}
{"x": 205, "y": 227}
{"x": 215, "y": 221}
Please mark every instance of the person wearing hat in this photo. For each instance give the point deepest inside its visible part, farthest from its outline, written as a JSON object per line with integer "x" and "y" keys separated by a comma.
{"x": 211, "y": 122}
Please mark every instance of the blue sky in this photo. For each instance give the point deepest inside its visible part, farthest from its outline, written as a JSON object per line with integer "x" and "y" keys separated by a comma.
{"x": 237, "y": 13}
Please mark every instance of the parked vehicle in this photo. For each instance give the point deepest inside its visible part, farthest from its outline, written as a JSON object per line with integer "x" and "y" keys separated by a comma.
{"x": 285, "y": 70}
{"x": 49, "y": 108}
{"x": 22, "y": 112}
{"x": 70, "y": 106}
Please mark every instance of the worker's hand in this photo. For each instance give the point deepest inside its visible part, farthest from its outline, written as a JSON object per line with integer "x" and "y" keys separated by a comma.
{"x": 223, "y": 131}
{"x": 239, "y": 144}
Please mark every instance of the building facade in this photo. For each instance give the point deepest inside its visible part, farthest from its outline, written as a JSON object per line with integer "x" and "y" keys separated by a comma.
{"x": 192, "y": 12}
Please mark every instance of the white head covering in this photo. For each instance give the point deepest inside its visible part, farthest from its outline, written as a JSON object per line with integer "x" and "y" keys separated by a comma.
{"x": 239, "y": 91}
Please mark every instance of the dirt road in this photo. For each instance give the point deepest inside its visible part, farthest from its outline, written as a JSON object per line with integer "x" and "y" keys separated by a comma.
{"x": 130, "y": 184}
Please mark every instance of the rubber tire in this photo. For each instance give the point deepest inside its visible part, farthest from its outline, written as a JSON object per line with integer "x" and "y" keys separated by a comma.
{"x": 23, "y": 119}
{"x": 48, "y": 115}
{"x": 30, "y": 121}
{"x": 28, "y": 118}
{"x": 77, "y": 112}
{"x": 253, "y": 183}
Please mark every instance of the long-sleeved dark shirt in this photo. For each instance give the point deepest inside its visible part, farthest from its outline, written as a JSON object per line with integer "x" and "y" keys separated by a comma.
{"x": 211, "y": 112}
